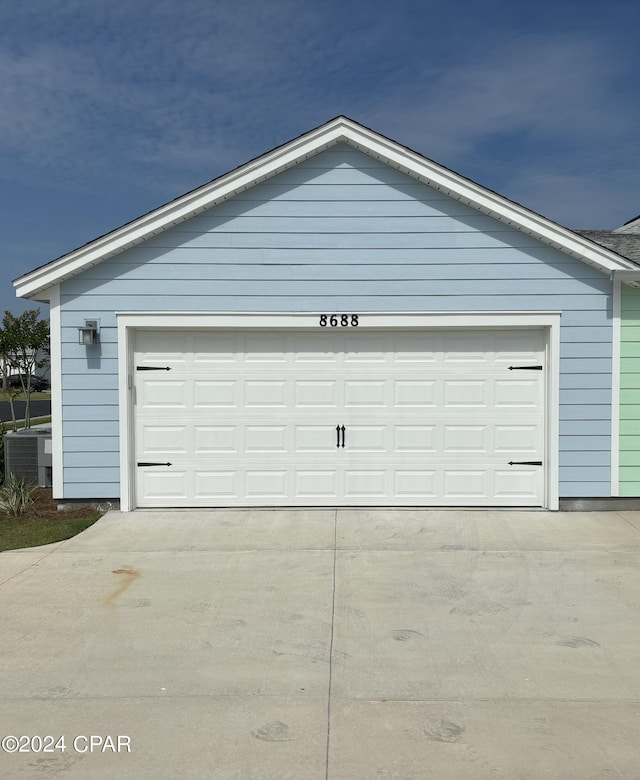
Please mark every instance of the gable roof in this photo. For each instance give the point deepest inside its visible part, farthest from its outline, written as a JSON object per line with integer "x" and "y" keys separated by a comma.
{"x": 338, "y": 130}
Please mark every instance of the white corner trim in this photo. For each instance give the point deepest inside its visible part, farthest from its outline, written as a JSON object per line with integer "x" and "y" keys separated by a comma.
{"x": 55, "y": 357}
{"x": 126, "y": 416}
{"x": 616, "y": 347}
{"x": 130, "y": 322}
{"x": 553, "y": 417}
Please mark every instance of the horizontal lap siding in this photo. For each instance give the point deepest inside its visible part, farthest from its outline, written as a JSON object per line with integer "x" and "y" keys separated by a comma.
{"x": 340, "y": 232}
{"x": 630, "y": 392}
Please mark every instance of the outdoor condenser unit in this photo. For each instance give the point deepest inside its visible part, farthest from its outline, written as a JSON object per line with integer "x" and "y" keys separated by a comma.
{"x": 27, "y": 454}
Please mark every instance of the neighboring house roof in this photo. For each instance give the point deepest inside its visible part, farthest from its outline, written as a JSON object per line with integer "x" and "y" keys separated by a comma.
{"x": 339, "y": 130}
{"x": 632, "y": 226}
{"x": 626, "y": 244}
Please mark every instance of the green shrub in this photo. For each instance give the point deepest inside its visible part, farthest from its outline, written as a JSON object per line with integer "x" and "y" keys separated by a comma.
{"x": 16, "y": 496}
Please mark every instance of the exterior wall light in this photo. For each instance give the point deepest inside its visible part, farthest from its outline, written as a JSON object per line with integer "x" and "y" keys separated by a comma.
{"x": 88, "y": 333}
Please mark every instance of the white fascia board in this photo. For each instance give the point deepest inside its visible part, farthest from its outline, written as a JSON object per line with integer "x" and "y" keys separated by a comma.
{"x": 288, "y": 155}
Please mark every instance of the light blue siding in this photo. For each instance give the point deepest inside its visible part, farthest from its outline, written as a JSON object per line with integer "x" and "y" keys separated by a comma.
{"x": 340, "y": 232}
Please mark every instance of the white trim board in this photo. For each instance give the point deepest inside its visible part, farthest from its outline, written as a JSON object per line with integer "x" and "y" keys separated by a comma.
{"x": 130, "y": 322}
{"x": 615, "y": 387}
{"x": 338, "y": 130}
{"x": 55, "y": 359}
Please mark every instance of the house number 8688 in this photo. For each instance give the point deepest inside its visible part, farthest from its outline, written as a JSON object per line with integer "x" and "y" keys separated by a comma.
{"x": 342, "y": 320}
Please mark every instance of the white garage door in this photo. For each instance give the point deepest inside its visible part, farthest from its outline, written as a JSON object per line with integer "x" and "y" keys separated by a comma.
{"x": 286, "y": 418}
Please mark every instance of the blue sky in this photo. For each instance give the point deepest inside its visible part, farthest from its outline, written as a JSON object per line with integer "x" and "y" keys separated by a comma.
{"x": 111, "y": 108}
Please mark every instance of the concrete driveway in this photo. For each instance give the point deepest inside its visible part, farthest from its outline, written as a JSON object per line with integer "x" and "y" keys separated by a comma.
{"x": 368, "y": 644}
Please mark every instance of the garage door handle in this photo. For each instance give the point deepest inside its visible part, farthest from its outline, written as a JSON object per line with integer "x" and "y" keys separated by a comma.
{"x": 340, "y": 430}
{"x": 525, "y": 463}
{"x": 151, "y": 463}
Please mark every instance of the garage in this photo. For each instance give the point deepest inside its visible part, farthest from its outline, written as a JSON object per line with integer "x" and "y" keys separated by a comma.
{"x": 341, "y": 322}
{"x": 339, "y": 414}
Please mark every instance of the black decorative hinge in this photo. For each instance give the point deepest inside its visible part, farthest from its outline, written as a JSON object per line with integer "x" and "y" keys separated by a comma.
{"x": 525, "y": 463}
{"x": 525, "y": 368}
{"x": 152, "y": 463}
{"x": 153, "y": 368}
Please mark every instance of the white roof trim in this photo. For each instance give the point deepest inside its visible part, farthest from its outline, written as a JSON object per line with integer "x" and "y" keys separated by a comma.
{"x": 339, "y": 130}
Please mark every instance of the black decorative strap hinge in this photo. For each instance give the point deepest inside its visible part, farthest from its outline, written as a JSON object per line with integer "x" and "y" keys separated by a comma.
{"x": 153, "y": 368}
{"x": 152, "y": 463}
{"x": 525, "y": 368}
{"x": 525, "y": 463}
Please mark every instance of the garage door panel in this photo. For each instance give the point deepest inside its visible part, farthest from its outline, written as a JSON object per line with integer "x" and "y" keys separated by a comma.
{"x": 462, "y": 485}
{"x": 215, "y": 393}
{"x": 316, "y": 439}
{"x": 466, "y": 438}
{"x": 267, "y": 484}
{"x": 316, "y": 484}
{"x": 518, "y": 483}
{"x": 170, "y": 439}
{"x": 315, "y": 393}
{"x": 265, "y": 394}
{"x": 421, "y": 348}
{"x": 169, "y": 393}
{"x": 365, "y": 348}
{"x": 266, "y": 348}
{"x": 517, "y": 393}
{"x": 254, "y": 418}
{"x": 216, "y": 439}
{"x": 414, "y": 438}
{"x": 466, "y": 392}
{"x": 162, "y": 347}
{"x": 365, "y": 484}
{"x": 365, "y": 392}
{"x": 517, "y": 439}
{"x": 266, "y": 439}
{"x": 415, "y": 393}
{"x": 215, "y": 485}
{"x": 417, "y": 485}
{"x": 210, "y": 348}
{"x": 367, "y": 438}
{"x": 160, "y": 485}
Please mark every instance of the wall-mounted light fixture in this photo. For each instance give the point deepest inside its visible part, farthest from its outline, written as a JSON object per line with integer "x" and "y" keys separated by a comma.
{"x": 88, "y": 333}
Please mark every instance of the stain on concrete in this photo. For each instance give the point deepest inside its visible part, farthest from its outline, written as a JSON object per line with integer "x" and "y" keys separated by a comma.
{"x": 56, "y": 692}
{"x": 128, "y": 575}
{"x": 450, "y": 547}
{"x": 444, "y": 731}
{"x": 577, "y": 641}
{"x": 50, "y": 766}
{"x": 276, "y": 731}
{"x": 405, "y": 634}
{"x": 199, "y": 606}
{"x": 479, "y": 608}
